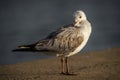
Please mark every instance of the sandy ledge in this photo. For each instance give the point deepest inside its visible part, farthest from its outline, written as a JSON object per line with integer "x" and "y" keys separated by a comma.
{"x": 99, "y": 65}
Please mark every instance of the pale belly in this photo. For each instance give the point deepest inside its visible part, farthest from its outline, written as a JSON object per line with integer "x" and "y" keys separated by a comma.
{"x": 80, "y": 47}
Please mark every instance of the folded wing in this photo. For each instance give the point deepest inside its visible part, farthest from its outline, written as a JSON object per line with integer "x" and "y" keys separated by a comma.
{"x": 63, "y": 40}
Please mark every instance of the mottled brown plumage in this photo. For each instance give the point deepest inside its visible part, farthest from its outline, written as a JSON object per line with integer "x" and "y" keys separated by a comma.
{"x": 64, "y": 41}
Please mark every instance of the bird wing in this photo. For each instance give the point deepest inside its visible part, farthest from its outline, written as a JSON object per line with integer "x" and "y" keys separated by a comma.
{"x": 55, "y": 33}
{"x": 64, "y": 40}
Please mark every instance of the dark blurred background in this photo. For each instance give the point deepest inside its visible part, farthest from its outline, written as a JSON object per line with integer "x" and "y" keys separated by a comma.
{"x": 27, "y": 21}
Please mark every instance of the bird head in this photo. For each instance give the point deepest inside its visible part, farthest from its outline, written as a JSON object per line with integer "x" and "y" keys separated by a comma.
{"x": 79, "y": 16}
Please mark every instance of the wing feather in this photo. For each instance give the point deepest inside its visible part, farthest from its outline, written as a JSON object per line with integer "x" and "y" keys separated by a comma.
{"x": 64, "y": 40}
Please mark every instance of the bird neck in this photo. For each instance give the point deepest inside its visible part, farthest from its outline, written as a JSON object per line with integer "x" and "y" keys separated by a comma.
{"x": 79, "y": 23}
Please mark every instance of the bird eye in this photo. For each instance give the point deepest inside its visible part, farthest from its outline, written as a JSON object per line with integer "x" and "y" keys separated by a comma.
{"x": 80, "y": 17}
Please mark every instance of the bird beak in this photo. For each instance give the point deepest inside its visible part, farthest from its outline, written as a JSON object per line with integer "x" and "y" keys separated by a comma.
{"x": 74, "y": 23}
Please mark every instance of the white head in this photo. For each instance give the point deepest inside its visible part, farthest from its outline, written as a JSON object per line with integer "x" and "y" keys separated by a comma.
{"x": 79, "y": 16}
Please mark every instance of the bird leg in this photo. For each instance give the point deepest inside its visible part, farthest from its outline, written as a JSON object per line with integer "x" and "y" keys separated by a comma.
{"x": 66, "y": 65}
{"x": 62, "y": 66}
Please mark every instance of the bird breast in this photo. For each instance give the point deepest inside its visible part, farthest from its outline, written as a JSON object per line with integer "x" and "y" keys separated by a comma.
{"x": 86, "y": 31}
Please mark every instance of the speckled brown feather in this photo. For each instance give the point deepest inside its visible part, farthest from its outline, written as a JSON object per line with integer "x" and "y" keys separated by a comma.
{"x": 64, "y": 40}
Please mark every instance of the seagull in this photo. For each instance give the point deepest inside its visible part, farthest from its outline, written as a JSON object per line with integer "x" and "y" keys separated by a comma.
{"x": 64, "y": 42}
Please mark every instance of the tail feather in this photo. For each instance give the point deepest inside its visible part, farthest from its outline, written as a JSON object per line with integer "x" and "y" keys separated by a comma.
{"x": 21, "y": 50}
{"x": 24, "y": 48}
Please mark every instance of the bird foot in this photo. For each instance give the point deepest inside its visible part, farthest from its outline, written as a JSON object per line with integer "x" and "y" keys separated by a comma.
{"x": 68, "y": 73}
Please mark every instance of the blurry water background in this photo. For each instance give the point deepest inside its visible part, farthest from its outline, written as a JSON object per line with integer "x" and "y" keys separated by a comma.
{"x": 27, "y": 21}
